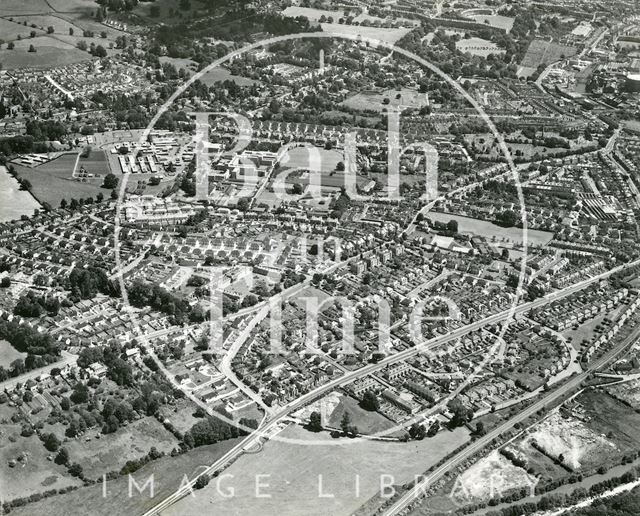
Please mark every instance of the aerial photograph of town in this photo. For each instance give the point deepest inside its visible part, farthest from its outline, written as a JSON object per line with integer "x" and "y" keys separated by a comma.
{"x": 320, "y": 257}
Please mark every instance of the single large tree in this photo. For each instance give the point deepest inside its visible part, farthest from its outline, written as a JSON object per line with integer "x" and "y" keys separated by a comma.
{"x": 315, "y": 422}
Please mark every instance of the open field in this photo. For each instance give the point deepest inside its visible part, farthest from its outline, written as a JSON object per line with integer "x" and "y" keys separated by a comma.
{"x": 367, "y": 422}
{"x": 168, "y": 473}
{"x": 14, "y": 202}
{"x": 491, "y": 230}
{"x": 67, "y": 6}
{"x": 8, "y": 354}
{"x": 53, "y": 181}
{"x": 59, "y": 25}
{"x": 10, "y": 7}
{"x": 300, "y": 158}
{"x": 39, "y": 42}
{"x": 295, "y": 470}
{"x": 34, "y": 473}
{"x": 543, "y": 52}
{"x": 111, "y": 451}
{"x": 11, "y": 30}
{"x": 311, "y": 14}
{"x": 610, "y": 417}
{"x": 379, "y": 101}
{"x": 222, "y": 74}
{"x": 374, "y": 33}
{"x": 501, "y": 22}
{"x": 50, "y": 52}
{"x": 95, "y": 163}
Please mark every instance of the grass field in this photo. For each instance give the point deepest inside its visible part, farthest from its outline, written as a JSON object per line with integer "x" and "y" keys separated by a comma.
{"x": 34, "y": 473}
{"x": 295, "y": 470}
{"x": 542, "y": 464}
{"x": 53, "y": 181}
{"x": 8, "y": 353}
{"x": 300, "y": 158}
{"x": 111, "y": 451}
{"x": 9, "y": 7}
{"x": 367, "y": 422}
{"x": 11, "y": 30}
{"x": 501, "y": 22}
{"x": 59, "y": 25}
{"x": 222, "y": 74}
{"x": 95, "y": 163}
{"x": 543, "y": 52}
{"x": 612, "y": 418}
{"x": 374, "y": 33}
{"x": 167, "y": 472}
{"x": 489, "y": 230}
{"x": 376, "y": 100}
{"x": 50, "y": 52}
{"x": 66, "y": 6}
{"x": 311, "y": 14}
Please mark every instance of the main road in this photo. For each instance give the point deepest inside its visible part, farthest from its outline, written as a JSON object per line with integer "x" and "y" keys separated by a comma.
{"x": 268, "y": 424}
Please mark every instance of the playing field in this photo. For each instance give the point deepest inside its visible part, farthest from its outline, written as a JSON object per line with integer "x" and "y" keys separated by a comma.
{"x": 378, "y": 101}
{"x": 500, "y": 22}
{"x": 222, "y": 74}
{"x": 372, "y": 33}
{"x": 489, "y": 229}
{"x": 347, "y": 474}
{"x": 543, "y": 52}
{"x": 301, "y": 157}
{"x": 53, "y": 181}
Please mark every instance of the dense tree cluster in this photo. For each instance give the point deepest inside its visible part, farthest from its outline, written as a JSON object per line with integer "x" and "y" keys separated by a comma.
{"x": 118, "y": 369}
{"x": 86, "y": 283}
{"x": 212, "y": 430}
{"x": 370, "y": 401}
{"x": 41, "y": 349}
{"x": 34, "y": 305}
{"x": 46, "y": 130}
{"x": 461, "y": 414}
{"x": 142, "y": 294}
